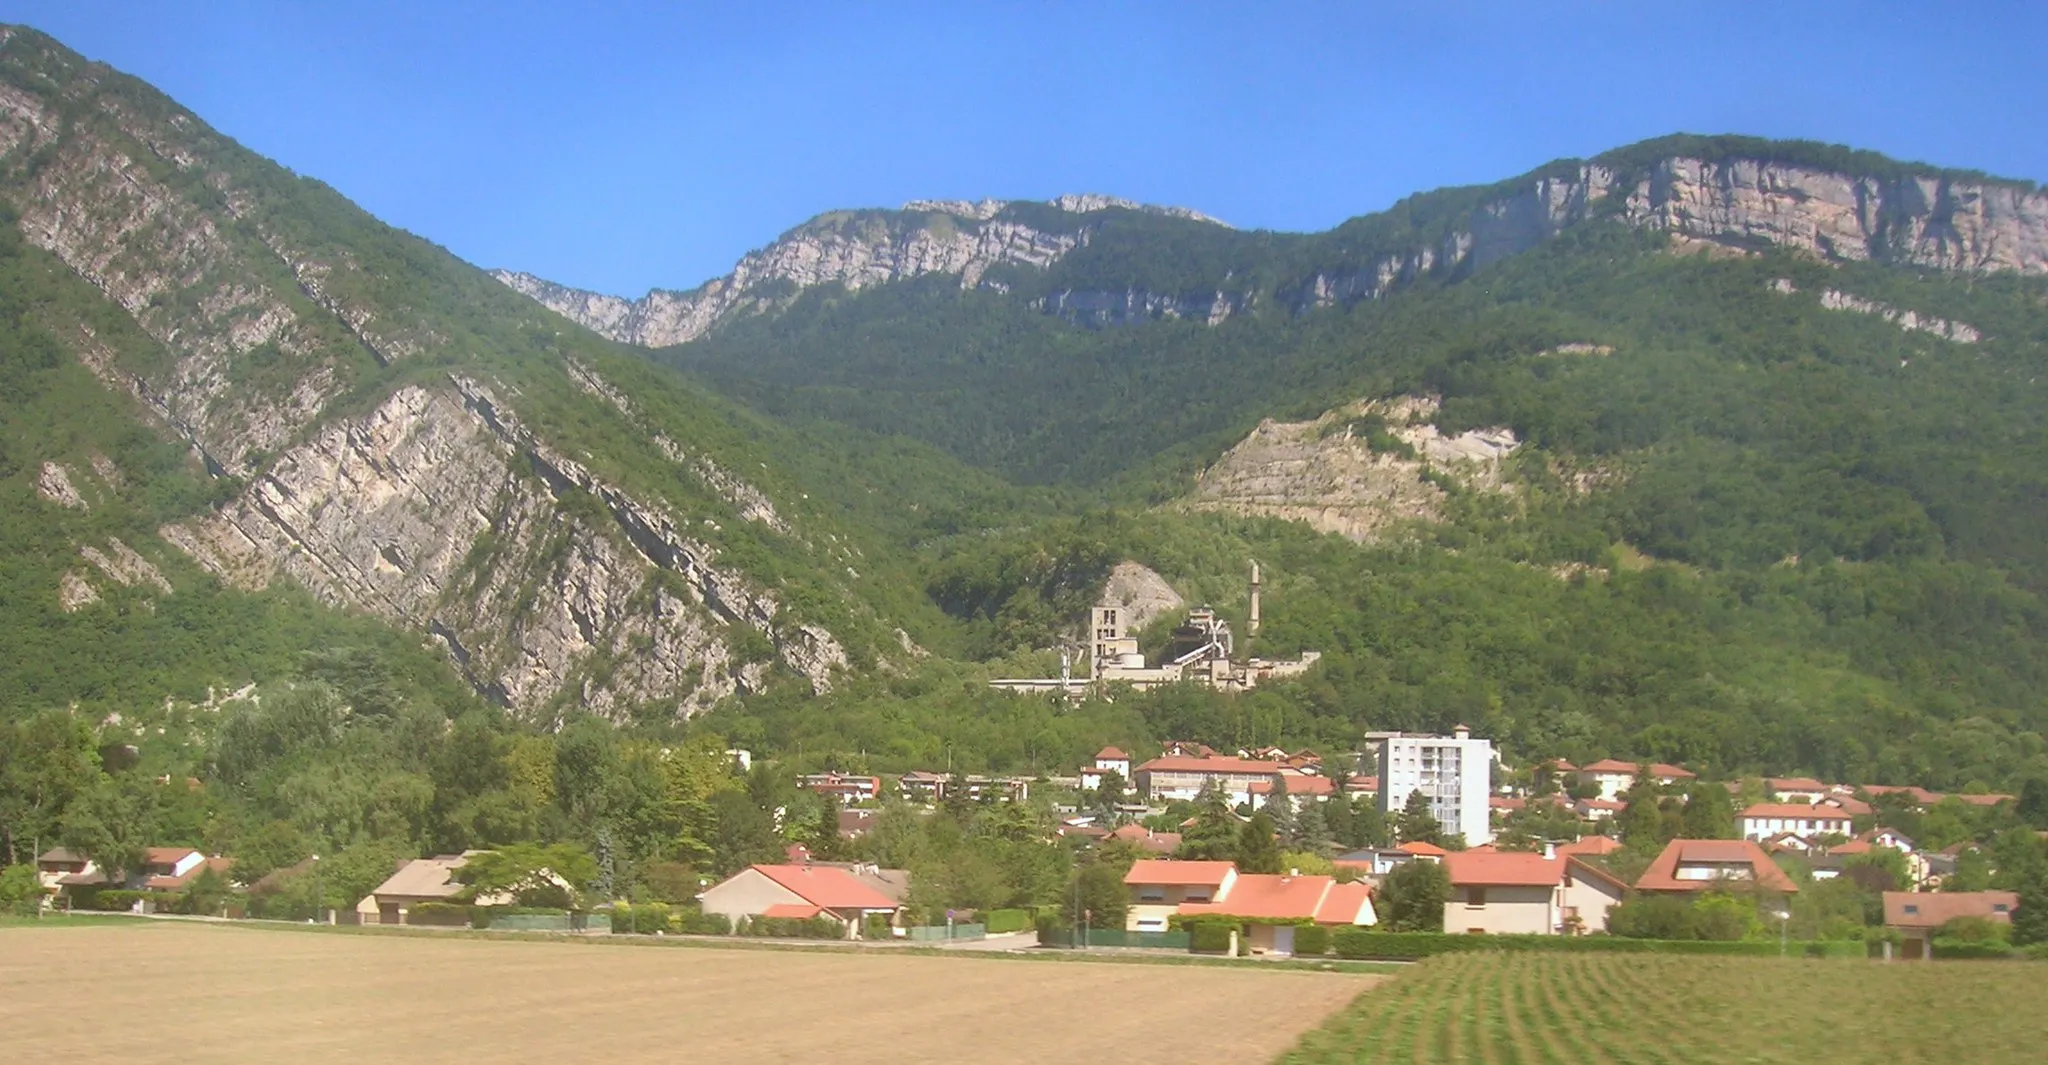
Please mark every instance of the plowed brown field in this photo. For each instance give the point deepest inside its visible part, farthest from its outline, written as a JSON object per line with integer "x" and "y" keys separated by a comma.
{"x": 225, "y": 994}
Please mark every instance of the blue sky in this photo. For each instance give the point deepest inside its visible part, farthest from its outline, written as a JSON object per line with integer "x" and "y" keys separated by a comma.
{"x": 623, "y": 146}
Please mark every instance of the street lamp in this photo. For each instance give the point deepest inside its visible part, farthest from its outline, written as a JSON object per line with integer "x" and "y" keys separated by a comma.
{"x": 1784, "y": 916}
{"x": 317, "y": 897}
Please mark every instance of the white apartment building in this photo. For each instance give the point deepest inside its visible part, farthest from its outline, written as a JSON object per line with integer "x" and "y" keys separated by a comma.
{"x": 1455, "y": 773}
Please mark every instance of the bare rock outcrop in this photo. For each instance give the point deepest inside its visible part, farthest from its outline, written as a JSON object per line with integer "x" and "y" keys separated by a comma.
{"x": 53, "y": 482}
{"x": 1143, "y": 594}
{"x": 1327, "y": 475}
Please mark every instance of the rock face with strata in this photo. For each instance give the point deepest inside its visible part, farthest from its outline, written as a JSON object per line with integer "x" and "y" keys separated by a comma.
{"x": 1325, "y": 475}
{"x": 428, "y": 501}
{"x": 860, "y": 249}
{"x": 1142, "y": 592}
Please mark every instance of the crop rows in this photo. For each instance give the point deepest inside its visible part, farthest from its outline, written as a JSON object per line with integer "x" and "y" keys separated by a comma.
{"x": 1543, "y": 1009}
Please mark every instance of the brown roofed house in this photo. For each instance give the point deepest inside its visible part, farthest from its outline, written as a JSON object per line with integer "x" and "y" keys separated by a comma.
{"x": 1918, "y": 915}
{"x": 1691, "y": 865}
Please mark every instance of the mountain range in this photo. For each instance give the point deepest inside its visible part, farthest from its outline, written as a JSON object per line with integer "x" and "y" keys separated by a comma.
{"x": 1707, "y": 449}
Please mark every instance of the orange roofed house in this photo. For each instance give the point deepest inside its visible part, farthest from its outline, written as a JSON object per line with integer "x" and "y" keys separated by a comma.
{"x": 800, "y": 891}
{"x": 1173, "y": 776}
{"x": 1690, "y": 865}
{"x": 1918, "y": 915}
{"x": 1499, "y": 892}
{"x": 1159, "y": 886}
{"x": 1163, "y": 889}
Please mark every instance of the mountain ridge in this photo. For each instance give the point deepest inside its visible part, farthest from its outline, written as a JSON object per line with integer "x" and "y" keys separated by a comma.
{"x": 1831, "y": 202}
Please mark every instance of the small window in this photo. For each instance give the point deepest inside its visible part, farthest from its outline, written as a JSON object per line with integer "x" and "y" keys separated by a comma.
{"x": 1998, "y": 907}
{"x": 1475, "y": 896}
{"x": 1912, "y": 908}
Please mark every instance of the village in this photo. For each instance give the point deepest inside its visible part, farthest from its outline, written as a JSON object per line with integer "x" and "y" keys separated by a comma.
{"x": 1457, "y": 815}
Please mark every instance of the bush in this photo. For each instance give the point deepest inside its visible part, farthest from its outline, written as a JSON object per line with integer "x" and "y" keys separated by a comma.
{"x": 109, "y": 900}
{"x": 1964, "y": 949}
{"x": 796, "y": 927}
{"x": 1209, "y": 938}
{"x": 878, "y": 928}
{"x": 1000, "y": 921}
{"x": 438, "y": 914}
{"x": 649, "y": 918}
{"x": 1311, "y": 941}
{"x": 20, "y": 892}
{"x": 696, "y": 922}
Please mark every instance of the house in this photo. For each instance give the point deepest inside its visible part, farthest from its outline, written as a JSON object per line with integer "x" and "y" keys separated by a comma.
{"x": 1848, "y": 804}
{"x": 1803, "y": 790}
{"x": 1589, "y": 846}
{"x": 1374, "y": 862}
{"x": 803, "y": 891}
{"x": 57, "y": 863}
{"x": 1160, "y": 843}
{"x": 1262, "y": 899}
{"x": 419, "y": 880}
{"x": 854, "y": 824}
{"x": 1611, "y": 775}
{"x": 1107, "y": 760}
{"x": 1789, "y": 841}
{"x": 996, "y": 789}
{"x": 1159, "y": 887}
{"x": 1586, "y": 894}
{"x": 1918, "y": 915}
{"x": 1693, "y": 865}
{"x": 845, "y": 788}
{"x": 921, "y": 786}
{"x": 1363, "y": 787}
{"x": 1917, "y": 871}
{"x": 1598, "y": 809}
{"x": 1421, "y": 851}
{"x": 1917, "y": 797}
{"x": 1297, "y": 788}
{"x": 1170, "y": 777}
{"x": 1766, "y": 819}
{"x": 1502, "y": 892}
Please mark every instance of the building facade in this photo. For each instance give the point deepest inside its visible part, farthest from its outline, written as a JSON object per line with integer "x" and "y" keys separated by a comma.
{"x": 1455, "y": 773}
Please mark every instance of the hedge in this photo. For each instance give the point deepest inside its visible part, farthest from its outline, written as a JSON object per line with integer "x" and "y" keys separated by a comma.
{"x": 1209, "y": 937}
{"x": 438, "y": 914}
{"x": 109, "y": 900}
{"x": 1312, "y": 940}
{"x": 1359, "y": 943}
{"x": 1958, "y": 950}
{"x": 1000, "y": 921}
{"x": 794, "y": 927}
{"x": 480, "y": 916}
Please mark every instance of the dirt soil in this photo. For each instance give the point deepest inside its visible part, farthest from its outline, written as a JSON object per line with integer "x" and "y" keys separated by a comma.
{"x": 227, "y": 994}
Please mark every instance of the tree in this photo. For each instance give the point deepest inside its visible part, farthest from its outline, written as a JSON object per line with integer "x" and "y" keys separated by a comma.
{"x": 1653, "y": 917}
{"x": 1312, "y": 832}
{"x": 1973, "y": 871}
{"x": 113, "y": 823}
{"x": 46, "y": 761}
{"x": 1099, "y": 890}
{"x": 825, "y": 837}
{"x": 1368, "y": 824}
{"x": 2030, "y": 918}
{"x": 20, "y": 892}
{"x": 1415, "y": 824}
{"x": 1413, "y": 896}
{"x": 742, "y": 833}
{"x": 1214, "y": 835}
{"x": 1257, "y": 850}
{"x": 1709, "y": 812}
{"x": 1280, "y": 812}
{"x": 532, "y": 873}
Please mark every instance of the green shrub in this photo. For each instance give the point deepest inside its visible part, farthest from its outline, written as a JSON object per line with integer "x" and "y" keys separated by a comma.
{"x": 20, "y": 892}
{"x": 622, "y": 918}
{"x": 796, "y": 928}
{"x": 1001, "y": 921}
{"x": 695, "y": 922}
{"x": 438, "y": 914}
{"x": 1209, "y": 937}
{"x": 878, "y": 928}
{"x": 1949, "y": 949}
{"x": 1360, "y": 943}
{"x": 109, "y": 900}
{"x": 650, "y": 918}
{"x": 1311, "y": 941}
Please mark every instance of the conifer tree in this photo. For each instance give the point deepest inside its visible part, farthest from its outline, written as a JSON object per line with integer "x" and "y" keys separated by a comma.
{"x": 1257, "y": 851}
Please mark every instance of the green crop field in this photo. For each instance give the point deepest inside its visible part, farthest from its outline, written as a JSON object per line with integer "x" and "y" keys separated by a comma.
{"x": 1518, "y": 1009}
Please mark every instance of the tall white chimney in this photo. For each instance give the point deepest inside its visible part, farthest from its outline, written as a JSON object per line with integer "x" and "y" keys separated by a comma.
{"x": 1252, "y": 627}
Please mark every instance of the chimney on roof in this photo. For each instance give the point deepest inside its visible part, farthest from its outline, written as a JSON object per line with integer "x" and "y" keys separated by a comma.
{"x": 1549, "y": 850}
{"x": 1461, "y": 732}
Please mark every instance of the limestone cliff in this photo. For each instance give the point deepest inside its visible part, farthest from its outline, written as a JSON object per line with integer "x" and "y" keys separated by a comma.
{"x": 1358, "y": 470}
{"x": 303, "y": 351}
{"x": 858, "y": 249}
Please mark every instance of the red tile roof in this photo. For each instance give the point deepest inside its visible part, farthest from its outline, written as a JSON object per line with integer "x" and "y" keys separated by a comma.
{"x": 1420, "y": 848}
{"x": 1661, "y": 770}
{"x": 826, "y": 887}
{"x": 1849, "y": 804}
{"x": 1795, "y": 784}
{"x": 1615, "y": 805}
{"x": 1367, "y": 783}
{"x": 1662, "y": 873}
{"x": 1292, "y": 784}
{"x": 1267, "y": 895}
{"x": 1112, "y": 754}
{"x": 1146, "y": 839}
{"x": 1590, "y": 845}
{"x": 1502, "y": 869}
{"x": 799, "y": 910}
{"x": 1344, "y": 903}
{"x": 1609, "y": 765}
{"x": 166, "y": 855}
{"x": 1798, "y": 810}
{"x": 1917, "y": 794}
{"x": 1588, "y": 871}
{"x": 1932, "y": 909}
{"x": 1983, "y": 800}
{"x": 1180, "y": 874}
{"x": 1173, "y": 763}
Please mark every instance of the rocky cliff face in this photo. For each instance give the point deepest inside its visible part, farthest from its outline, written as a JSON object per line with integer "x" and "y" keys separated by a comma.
{"x": 858, "y": 249}
{"x": 1930, "y": 222}
{"x": 424, "y": 497}
{"x": 1331, "y": 475}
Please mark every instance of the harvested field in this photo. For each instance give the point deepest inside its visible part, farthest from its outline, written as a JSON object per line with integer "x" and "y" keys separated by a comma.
{"x": 1578, "y": 1009}
{"x": 228, "y": 994}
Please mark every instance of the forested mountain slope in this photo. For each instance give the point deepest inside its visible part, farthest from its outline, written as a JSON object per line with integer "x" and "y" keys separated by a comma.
{"x": 390, "y": 429}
